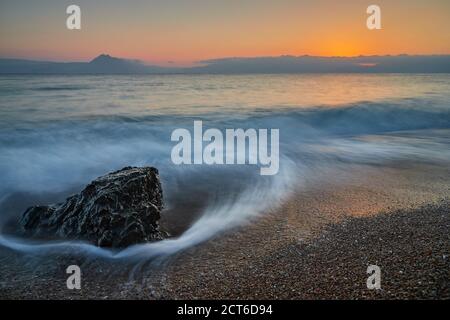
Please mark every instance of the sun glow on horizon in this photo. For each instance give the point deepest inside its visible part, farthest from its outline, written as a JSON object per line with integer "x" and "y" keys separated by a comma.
{"x": 165, "y": 33}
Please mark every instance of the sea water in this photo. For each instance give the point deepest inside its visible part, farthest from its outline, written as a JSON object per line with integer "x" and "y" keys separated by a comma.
{"x": 57, "y": 133}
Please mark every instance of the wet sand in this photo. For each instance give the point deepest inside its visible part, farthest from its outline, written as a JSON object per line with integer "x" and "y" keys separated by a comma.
{"x": 317, "y": 245}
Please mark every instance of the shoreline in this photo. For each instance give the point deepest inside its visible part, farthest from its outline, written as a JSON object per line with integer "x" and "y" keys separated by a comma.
{"x": 317, "y": 245}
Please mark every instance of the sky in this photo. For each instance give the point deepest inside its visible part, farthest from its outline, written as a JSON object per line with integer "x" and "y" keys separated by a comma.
{"x": 182, "y": 32}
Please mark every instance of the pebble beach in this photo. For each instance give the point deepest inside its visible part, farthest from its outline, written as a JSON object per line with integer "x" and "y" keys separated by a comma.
{"x": 317, "y": 245}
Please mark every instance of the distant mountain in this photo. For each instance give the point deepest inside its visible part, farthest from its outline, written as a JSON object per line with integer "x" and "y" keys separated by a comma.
{"x": 311, "y": 64}
{"x": 105, "y": 64}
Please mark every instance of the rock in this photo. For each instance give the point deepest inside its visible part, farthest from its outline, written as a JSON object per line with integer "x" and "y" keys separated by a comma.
{"x": 115, "y": 210}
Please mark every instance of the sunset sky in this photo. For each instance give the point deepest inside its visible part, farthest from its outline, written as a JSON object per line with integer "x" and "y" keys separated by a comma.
{"x": 185, "y": 31}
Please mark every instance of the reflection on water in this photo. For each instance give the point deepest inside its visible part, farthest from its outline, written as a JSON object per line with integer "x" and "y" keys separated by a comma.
{"x": 35, "y": 98}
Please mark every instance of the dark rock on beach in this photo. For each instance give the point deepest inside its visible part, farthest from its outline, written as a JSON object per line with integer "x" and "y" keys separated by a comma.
{"x": 116, "y": 210}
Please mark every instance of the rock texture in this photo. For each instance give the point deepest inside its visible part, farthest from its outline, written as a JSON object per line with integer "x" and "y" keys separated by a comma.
{"x": 115, "y": 210}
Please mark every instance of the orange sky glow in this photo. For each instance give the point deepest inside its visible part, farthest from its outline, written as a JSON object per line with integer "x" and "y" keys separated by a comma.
{"x": 184, "y": 32}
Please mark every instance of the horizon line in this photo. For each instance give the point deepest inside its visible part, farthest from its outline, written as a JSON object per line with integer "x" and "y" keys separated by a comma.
{"x": 225, "y": 58}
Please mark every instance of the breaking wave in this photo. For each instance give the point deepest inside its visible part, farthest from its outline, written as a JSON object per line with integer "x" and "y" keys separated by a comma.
{"x": 45, "y": 162}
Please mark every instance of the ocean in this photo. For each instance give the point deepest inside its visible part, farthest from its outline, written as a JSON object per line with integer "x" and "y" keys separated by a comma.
{"x": 57, "y": 133}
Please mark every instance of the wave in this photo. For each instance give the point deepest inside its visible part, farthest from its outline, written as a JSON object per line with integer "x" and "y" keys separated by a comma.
{"x": 214, "y": 219}
{"x": 62, "y": 88}
{"x": 56, "y": 158}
